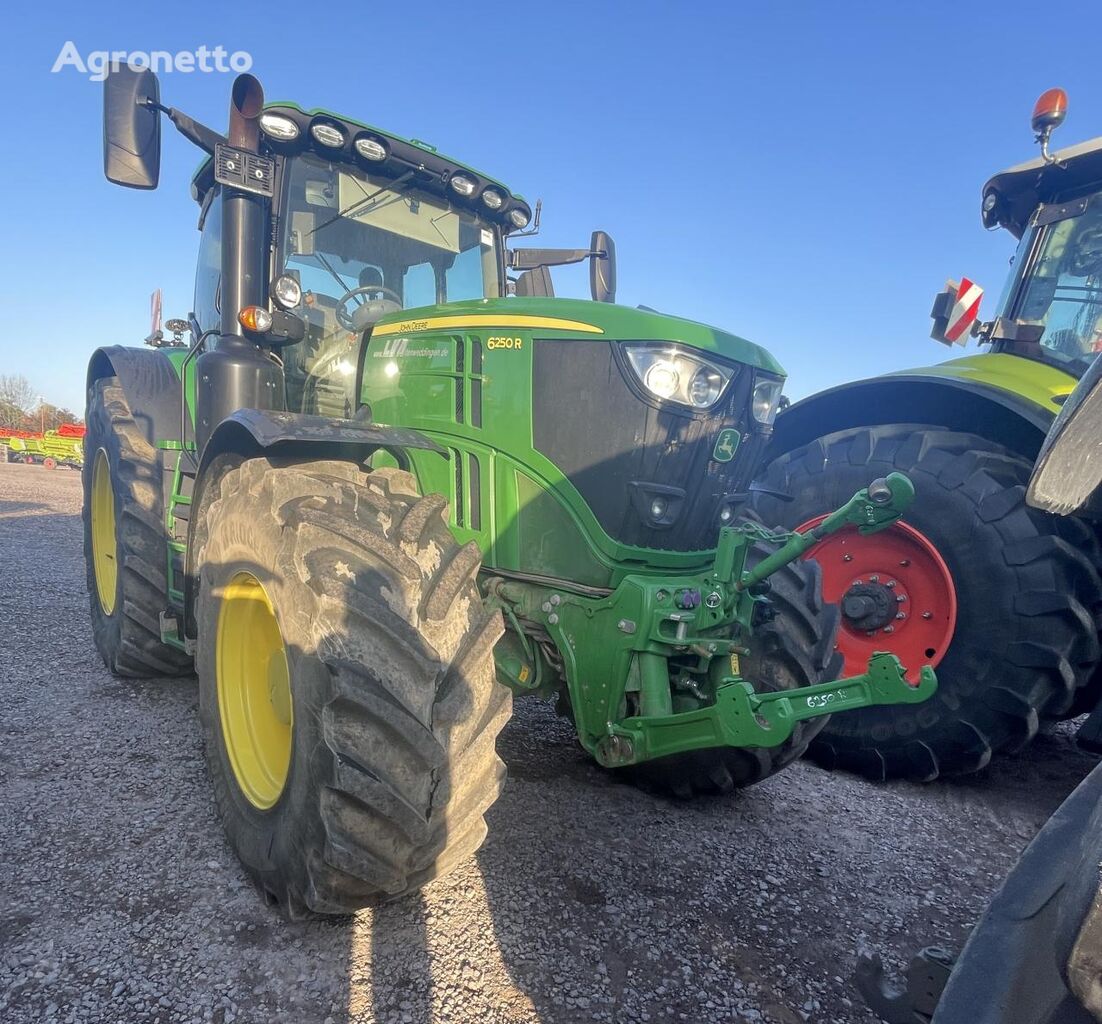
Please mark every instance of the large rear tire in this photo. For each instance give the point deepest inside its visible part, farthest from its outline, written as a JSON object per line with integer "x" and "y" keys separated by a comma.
{"x": 1024, "y": 644}
{"x": 347, "y": 686}
{"x": 792, "y": 646}
{"x": 125, "y": 542}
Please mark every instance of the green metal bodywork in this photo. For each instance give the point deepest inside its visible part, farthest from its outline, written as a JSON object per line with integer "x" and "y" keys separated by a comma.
{"x": 529, "y": 505}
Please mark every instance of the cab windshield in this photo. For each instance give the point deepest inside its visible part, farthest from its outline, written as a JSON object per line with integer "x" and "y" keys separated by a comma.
{"x": 1061, "y": 287}
{"x": 363, "y": 248}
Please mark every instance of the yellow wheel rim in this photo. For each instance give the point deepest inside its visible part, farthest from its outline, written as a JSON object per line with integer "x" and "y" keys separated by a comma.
{"x": 254, "y": 690}
{"x": 104, "y": 544}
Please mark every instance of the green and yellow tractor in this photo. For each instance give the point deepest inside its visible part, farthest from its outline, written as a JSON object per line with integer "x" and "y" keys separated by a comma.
{"x": 1003, "y": 598}
{"x": 378, "y": 494}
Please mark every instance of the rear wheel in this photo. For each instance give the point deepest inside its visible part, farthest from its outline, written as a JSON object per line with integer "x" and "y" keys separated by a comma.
{"x": 347, "y": 685}
{"x": 125, "y": 541}
{"x": 49, "y": 462}
{"x": 1000, "y": 597}
{"x": 792, "y": 646}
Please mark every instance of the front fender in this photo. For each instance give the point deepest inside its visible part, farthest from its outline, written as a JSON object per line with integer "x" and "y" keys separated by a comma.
{"x": 150, "y": 382}
{"x": 1005, "y": 398}
{"x": 291, "y": 434}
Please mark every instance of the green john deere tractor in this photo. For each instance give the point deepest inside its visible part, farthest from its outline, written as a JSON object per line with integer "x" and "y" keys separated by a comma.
{"x": 377, "y": 495}
{"x": 1005, "y": 599}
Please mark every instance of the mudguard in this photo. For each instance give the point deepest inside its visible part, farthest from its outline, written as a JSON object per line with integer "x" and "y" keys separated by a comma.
{"x": 151, "y": 383}
{"x": 252, "y": 431}
{"x": 1006, "y": 398}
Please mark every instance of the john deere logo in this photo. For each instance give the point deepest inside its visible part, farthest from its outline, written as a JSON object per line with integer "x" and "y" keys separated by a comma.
{"x": 726, "y": 445}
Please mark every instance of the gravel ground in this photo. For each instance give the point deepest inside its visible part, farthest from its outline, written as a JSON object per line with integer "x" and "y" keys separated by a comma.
{"x": 120, "y": 901}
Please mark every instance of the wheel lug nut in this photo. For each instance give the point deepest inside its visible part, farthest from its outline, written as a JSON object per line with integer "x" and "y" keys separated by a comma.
{"x": 890, "y": 583}
{"x": 927, "y": 615}
{"x": 889, "y": 629}
{"x": 905, "y": 562}
{"x": 900, "y": 615}
{"x": 900, "y": 598}
{"x": 847, "y": 558}
{"x": 874, "y": 579}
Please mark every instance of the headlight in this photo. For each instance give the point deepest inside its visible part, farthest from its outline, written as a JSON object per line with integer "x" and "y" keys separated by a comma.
{"x": 675, "y": 375}
{"x": 493, "y": 199}
{"x": 287, "y": 291}
{"x": 767, "y": 397}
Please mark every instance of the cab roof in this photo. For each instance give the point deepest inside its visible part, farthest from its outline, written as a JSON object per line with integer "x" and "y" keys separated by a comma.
{"x": 1021, "y": 189}
{"x": 431, "y": 170}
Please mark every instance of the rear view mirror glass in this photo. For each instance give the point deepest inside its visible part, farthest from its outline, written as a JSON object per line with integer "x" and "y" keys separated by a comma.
{"x": 131, "y": 127}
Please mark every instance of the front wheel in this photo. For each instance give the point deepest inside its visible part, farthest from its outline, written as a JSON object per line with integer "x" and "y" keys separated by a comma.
{"x": 347, "y": 687}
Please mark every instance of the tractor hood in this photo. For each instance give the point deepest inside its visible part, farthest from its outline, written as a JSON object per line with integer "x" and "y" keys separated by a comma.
{"x": 579, "y": 318}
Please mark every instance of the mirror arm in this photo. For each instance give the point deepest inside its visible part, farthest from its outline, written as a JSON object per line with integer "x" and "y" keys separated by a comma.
{"x": 194, "y": 131}
{"x": 548, "y": 257}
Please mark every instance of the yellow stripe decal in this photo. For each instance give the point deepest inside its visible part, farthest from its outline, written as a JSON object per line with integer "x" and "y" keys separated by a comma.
{"x": 484, "y": 320}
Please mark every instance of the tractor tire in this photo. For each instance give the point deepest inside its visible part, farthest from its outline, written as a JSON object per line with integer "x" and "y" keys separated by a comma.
{"x": 346, "y": 683}
{"x": 1024, "y": 643}
{"x": 49, "y": 462}
{"x": 792, "y": 646}
{"x": 126, "y": 603}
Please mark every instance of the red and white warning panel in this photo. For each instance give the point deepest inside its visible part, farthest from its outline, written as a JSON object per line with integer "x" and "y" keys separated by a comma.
{"x": 963, "y": 312}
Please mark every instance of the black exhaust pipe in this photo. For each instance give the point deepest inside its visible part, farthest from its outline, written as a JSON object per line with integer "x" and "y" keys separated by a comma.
{"x": 234, "y": 372}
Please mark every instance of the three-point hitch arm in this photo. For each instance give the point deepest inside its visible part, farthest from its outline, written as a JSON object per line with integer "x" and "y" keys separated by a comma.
{"x": 870, "y": 509}
{"x": 743, "y": 717}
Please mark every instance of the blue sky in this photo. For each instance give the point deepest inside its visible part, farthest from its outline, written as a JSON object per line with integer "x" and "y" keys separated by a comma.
{"x": 804, "y": 174}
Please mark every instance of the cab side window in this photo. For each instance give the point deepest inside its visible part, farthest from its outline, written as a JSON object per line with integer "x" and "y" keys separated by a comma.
{"x": 208, "y": 270}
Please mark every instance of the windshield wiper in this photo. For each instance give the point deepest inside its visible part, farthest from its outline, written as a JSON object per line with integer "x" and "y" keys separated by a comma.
{"x": 336, "y": 277}
{"x": 355, "y": 208}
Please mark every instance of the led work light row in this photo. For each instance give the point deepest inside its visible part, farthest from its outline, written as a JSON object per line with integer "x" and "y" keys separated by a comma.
{"x": 375, "y": 150}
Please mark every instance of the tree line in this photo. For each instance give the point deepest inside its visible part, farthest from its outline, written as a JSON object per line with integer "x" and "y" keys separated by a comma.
{"x": 22, "y": 409}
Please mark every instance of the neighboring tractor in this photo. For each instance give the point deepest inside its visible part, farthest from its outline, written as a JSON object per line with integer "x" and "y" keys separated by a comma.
{"x": 1004, "y": 599}
{"x": 371, "y": 462}
{"x": 1035, "y": 956}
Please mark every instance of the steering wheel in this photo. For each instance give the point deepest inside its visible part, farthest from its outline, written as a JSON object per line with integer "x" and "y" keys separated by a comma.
{"x": 368, "y": 312}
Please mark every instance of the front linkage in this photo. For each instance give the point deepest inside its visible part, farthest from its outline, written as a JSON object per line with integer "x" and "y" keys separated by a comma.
{"x": 653, "y": 669}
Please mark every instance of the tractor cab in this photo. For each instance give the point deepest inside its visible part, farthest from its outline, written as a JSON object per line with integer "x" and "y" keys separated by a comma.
{"x": 1051, "y": 305}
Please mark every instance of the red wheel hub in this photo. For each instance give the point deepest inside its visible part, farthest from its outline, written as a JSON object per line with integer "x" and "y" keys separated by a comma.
{"x": 895, "y": 591}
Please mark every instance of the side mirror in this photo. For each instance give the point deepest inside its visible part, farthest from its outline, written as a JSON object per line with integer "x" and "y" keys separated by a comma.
{"x": 131, "y": 127}
{"x": 602, "y": 267}
{"x": 956, "y": 308}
